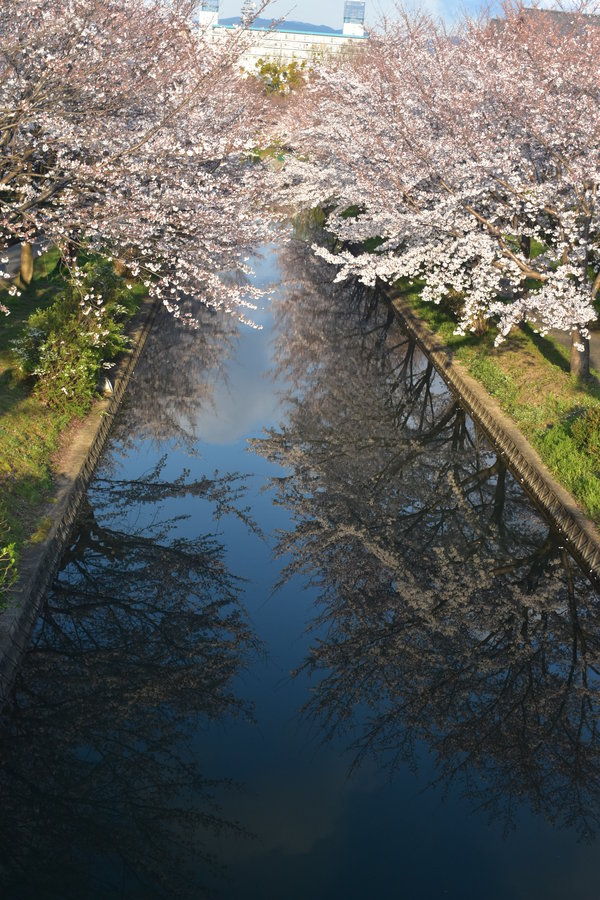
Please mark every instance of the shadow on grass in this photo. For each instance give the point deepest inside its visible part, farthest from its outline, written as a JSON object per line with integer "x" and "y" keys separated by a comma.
{"x": 41, "y": 295}
{"x": 12, "y": 392}
{"x": 47, "y": 283}
{"x": 548, "y": 349}
{"x": 21, "y": 505}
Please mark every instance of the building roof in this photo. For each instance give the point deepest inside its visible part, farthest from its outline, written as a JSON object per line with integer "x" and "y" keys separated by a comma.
{"x": 320, "y": 34}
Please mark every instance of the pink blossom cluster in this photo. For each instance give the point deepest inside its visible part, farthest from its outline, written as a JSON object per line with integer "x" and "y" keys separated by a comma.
{"x": 473, "y": 153}
{"x": 125, "y": 129}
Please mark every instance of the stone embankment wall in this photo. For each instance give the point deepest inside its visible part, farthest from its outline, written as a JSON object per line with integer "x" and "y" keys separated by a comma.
{"x": 40, "y": 561}
{"x": 559, "y": 507}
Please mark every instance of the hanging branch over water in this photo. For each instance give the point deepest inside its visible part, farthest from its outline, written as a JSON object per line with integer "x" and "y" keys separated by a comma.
{"x": 466, "y": 157}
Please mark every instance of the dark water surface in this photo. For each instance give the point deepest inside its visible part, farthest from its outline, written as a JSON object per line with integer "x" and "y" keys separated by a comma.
{"x": 346, "y": 660}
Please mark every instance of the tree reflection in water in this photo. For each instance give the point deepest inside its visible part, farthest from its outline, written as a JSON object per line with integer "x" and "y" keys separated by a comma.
{"x": 451, "y": 616}
{"x": 139, "y": 643}
{"x": 176, "y": 373}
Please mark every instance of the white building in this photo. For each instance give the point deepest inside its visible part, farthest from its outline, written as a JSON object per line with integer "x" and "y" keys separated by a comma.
{"x": 283, "y": 44}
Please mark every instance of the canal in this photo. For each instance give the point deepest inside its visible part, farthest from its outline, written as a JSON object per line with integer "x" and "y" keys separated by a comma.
{"x": 310, "y": 640}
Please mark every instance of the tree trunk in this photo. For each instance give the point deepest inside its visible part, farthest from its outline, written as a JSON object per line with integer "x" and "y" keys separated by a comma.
{"x": 580, "y": 359}
{"x": 26, "y": 273}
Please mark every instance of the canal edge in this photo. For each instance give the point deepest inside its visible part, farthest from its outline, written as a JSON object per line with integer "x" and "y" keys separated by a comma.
{"x": 40, "y": 562}
{"x": 558, "y": 506}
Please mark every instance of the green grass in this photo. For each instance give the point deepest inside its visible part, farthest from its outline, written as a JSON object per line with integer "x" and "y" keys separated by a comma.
{"x": 529, "y": 377}
{"x": 30, "y": 432}
{"x": 46, "y": 284}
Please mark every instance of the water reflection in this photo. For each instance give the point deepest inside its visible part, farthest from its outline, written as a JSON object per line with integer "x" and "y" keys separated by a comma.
{"x": 449, "y": 615}
{"x": 450, "y": 625}
{"x": 103, "y": 793}
{"x": 183, "y": 361}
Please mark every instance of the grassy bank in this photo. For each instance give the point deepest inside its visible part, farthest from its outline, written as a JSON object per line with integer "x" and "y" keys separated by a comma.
{"x": 529, "y": 377}
{"x": 53, "y": 349}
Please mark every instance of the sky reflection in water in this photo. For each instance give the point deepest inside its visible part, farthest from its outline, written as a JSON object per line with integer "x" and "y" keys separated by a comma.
{"x": 161, "y": 747}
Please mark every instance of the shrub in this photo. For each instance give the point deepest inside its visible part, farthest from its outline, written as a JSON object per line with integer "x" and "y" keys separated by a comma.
{"x": 38, "y": 328}
{"x": 280, "y": 77}
{"x": 453, "y": 303}
{"x": 66, "y": 345}
{"x": 67, "y": 371}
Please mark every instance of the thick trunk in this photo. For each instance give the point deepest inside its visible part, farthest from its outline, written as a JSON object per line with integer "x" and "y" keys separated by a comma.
{"x": 580, "y": 359}
{"x": 26, "y": 273}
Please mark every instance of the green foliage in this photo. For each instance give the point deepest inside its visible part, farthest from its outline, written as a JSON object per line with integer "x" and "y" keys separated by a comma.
{"x": 8, "y": 570}
{"x": 352, "y": 212}
{"x": 281, "y": 78}
{"x": 41, "y": 324}
{"x": 453, "y": 303}
{"x": 274, "y": 151}
{"x": 8, "y": 560}
{"x": 536, "y": 248}
{"x": 47, "y": 344}
{"x": 68, "y": 370}
{"x": 372, "y": 244}
{"x": 66, "y": 345}
{"x": 308, "y": 225}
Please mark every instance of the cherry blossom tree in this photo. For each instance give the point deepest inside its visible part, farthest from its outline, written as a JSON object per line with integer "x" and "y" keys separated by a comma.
{"x": 125, "y": 128}
{"x": 472, "y": 155}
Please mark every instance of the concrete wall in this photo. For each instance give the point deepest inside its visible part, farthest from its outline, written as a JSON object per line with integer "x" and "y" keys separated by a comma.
{"x": 558, "y": 506}
{"x": 40, "y": 561}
